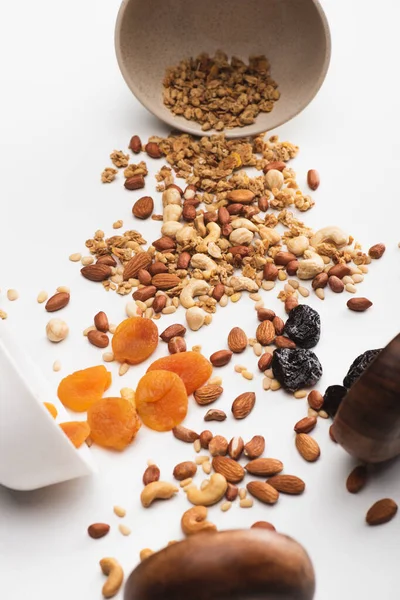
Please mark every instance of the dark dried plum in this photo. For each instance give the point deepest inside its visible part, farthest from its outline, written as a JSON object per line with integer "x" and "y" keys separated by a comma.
{"x": 358, "y": 367}
{"x": 332, "y": 398}
{"x": 303, "y": 326}
{"x": 296, "y": 368}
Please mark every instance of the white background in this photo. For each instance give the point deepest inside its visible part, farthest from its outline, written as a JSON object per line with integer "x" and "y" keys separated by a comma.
{"x": 64, "y": 108}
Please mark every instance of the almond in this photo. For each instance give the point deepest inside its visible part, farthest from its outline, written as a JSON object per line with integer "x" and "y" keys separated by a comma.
{"x": 359, "y": 304}
{"x": 241, "y": 196}
{"x": 229, "y": 468}
{"x": 153, "y": 150}
{"x": 144, "y": 277}
{"x": 305, "y": 425}
{"x": 320, "y": 281}
{"x": 232, "y": 492}
{"x": 265, "y": 361}
{"x": 234, "y": 209}
{"x": 270, "y": 272}
{"x": 235, "y": 448}
{"x": 243, "y": 405}
{"x": 283, "y": 342}
{"x": 218, "y": 291}
{"x": 218, "y": 446}
{"x": 143, "y": 207}
{"x": 107, "y": 259}
{"x": 135, "y": 144}
{"x": 207, "y": 394}
{"x": 96, "y": 272}
{"x": 279, "y": 325}
{"x": 263, "y": 525}
{"x": 175, "y": 344}
{"x": 278, "y": 165}
{"x": 315, "y": 400}
{"x": 158, "y": 305}
{"x": 265, "y": 333}
{"x": 283, "y": 258}
{"x": 173, "y": 331}
{"x": 157, "y": 267}
{"x": 264, "y": 467}
{"x": 175, "y": 187}
{"x": 98, "y": 339}
{"x": 339, "y": 270}
{"x": 377, "y": 251}
{"x": 237, "y": 340}
{"x": 265, "y": 314}
{"x": 357, "y": 479}
{"x": 307, "y": 447}
{"x": 183, "y": 260}
{"x": 287, "y": 484}
{"x": 215, "y": 415}
{"x": 144, "y": 293}
{"x": 381, "y": 512}
{"x": 255, "y": 447}
{"x": 98, "y": 530}
{"x": 101, "y": 322}
{"x": 313, "y": 179}
{"x": 263, "y": 492}
{"x": 220, "y": 358}
{"x": 223, "y": 215}
{"x": 263, "y": 203}
{"x": 184, "y": 434}
{"x": 164, "y": 243}
{"x": 336, "y": 284}
{"x": 151, "y": 474}
{"x": 205, "y": 438}
{"x": 134, "y": 183}
{"x": 142, "y": 260}
{"x": 184, "y": 470}
{"x": 165, "y": 281}
{"x": 57, "y": 302}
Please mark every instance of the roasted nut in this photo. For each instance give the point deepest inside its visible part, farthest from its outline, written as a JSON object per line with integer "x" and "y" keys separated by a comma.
{"x": 144, "y": 293}
{"x": 98, "y": 339}
{"x": 313, "y": 179}
{"x": 229, "y": 468}
{"x": 135, "y": 144}
{"x": 134, "y": 183}
{"x": 336, "y": 284}
{"x": 144, "y": 277}
{"x": 218, "y": 446}
{"x": 255, "y": 447}
{"x": 207, "y": 394}
{"x": 237, "y": 340}
{"x": 159, "y": 304}
{"x": 292, "y": 267}
{"x": 184, "y": 434}
{"x": 183, "y": 260}
{"x": 232, "y": 492}
{"x": 194, "y": 521}
{"x": 265, "y": 361}
{"x": 377, "y": 251}
{"x": 243, "y": 405}
{"x": 283, "y": 258}
{"x": 115, "y": 576}
{"x": 290, "y": 303}
{"x": 143, "y": 207}
{"x": 173, "y": 331}
{"x": 153, "y": 150}
{"x": 184, "y": 470}
{"x": 98, "y": 530}
{"x": 359, "y": 304}
{"x": 283, "y": 342}
{"x": 220, "y": 358}
{"x": 265, "y": 333}
{"x": 235, "y": 447}
{"x": 215, "y": 415}
{"x": 265, "y": 314}
{"x": 152, "y": 473}
{"x": 176, "y": 344}
{"x": 211, "y": 493}
{"x": 218, "y": 291}
{"x": 270, "y": 272}
{"x": 101, "y": 322}
{"x": 279, "y": 325}
{"x": 205, "y": 438}
{"x": 320, "y": 281}
{"x": 315, "y": 400}
{"x": 157, "y": 490}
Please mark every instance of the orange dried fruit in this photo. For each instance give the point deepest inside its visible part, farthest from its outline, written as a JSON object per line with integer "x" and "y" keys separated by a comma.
{"x": 80, "y": 389}
{"x": 134, "y": 340}
{"x": 51, "y": 408}
{"x": 77, "y": 431}
{"x": 113, "y": 422}
{"x": 192, "y": 368}
{"x": 161, "y": 400}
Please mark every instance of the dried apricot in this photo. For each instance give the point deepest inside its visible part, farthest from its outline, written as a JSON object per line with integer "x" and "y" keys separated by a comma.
{"x": 51, "y": 408}
{"x": 192, "y": 368}
{"x": 113, "y": 422}
{"x": 77, "y": 431}
{"x": 134, "y": 340}
{"x": 80, "y": 389}
{"x": 161, "y": 400}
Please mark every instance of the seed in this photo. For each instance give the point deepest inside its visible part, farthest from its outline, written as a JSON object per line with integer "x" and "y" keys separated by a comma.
{"x": 63, "y": 288}
{"x": 75, "y": 257}
{"x": 196, "y": 348}
{"x": 118, "y": 224}
{"x": 168, "y": 310}
{"x": 315, "y": 399}
{"x": 350, "y": 288}
{"x": 246, "y": 503}
{"x": 288, "y": 288}
{"x": 363, "y": 268}
{"x": 239, "y": 368}
{"x": 42, "y": 297}
{"x": 108, "y": 356}
{"x": 268, "y": 285}
{"x": 242, "y": 493}
{"x": 215, "y": 381}
{"x": 236, "y": 297}
{"x": 112, "y": 328}
{"x": 282, "y": 275}
{"x": 257, "y": 349}
{"x": 98, "y": 530}
{"x": 247, "y": 375}
{"x": 119, "y": 511}
{"x": 275, "y": 385}
{"x": 145, "y": 553}
{"x": 3, "y": 314}
{"x": 347, "y": 279}
{"x": 259, "y": 304}
{"x": 255, "y": 297}
{"x": 300, "y": 394}
{"x": 127, "y": 393}
{"x": 186, "y": 482}
{"x": 320, "y": 292}
{"x": 56, "y": 365}
{"x": 197, "y": 445}
{"x": 311, "y": 412}
{"x": 381, "y": 512}
{"x": 206, "y": 466}
{"x": 199, "y": 460}
{"x": 87, "y": 260}
{"x": 90, "y": 328}
{"x": 269, "y": 373}
{"x": 224, "y": 301}
{"x": 12, "y": 295}
{"x": 266, "y": 383}
{"x": 304, "y": 291}
{"x": 123, "y": 369}
{"x": 124, "y": 529}
{"x": 323, "y": 414}
{"x": 294, "y": 283}
{"x": 226, "y": 506}
{"x": 357, "y": 479}
{"x": 358, "y": 278}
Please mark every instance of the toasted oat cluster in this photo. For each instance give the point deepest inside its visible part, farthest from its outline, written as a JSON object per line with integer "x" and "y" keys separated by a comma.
{"x": 218, "y": 93}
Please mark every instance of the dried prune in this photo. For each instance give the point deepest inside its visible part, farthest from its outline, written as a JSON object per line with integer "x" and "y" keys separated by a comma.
{"x": 332, "y": 399}
{"x": 358, "y": 367}
{"x": 303, "y": 326}
{"x": 295, "y": 368}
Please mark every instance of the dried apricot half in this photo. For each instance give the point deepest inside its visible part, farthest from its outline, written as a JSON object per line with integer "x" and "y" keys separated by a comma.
{"x": 113, "y": 422}
{"x": 192, "y": 368}
{"x": 80, "y": 389}
{"x": 134, "y": 340}
{"x": 161, "y": 400}
{"x": 51, "y": 408}
{"x": 77, "y": 431}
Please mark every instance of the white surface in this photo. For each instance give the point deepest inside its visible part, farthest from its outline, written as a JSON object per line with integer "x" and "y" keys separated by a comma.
{"x": 64, "y": 108}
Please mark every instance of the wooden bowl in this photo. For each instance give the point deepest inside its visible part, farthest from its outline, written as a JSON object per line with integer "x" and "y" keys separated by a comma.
{"x": 293, "y": 34}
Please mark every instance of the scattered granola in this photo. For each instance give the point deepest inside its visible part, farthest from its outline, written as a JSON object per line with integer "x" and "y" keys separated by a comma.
{"x": 108, "y": 175}
{"x": 119, "y": 159}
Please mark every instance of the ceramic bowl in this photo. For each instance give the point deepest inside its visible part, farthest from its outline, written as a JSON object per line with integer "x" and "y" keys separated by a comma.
{"x": 155, "y": 34}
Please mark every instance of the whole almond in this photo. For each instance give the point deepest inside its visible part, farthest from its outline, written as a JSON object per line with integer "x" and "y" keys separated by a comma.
{"x": 96, "y": 272}
{"x": 220, "y": 358}
{"x": 98, "y": 339}
{"x": 287, "y": 484}
{"x": 359, "y": 304}
{"x": 279, "y": 325}
{"x": 283, "y": 342}
{"x": 339, "y": 270}
{"x": 159, "y": 304}
{"x": 263, "y": 203}
{"x": 223, "y": 215}
{"x": 232, "y": 492}
{"x": 320, "y": 281}
{"x": 57, "y": 302}
{"x": 135, "y": 144}
{"x": 144, "y": 293}
{"x": 241, "y": 196}
{"x": 265, "y": 314}
{"x": 229, "y": 468}
{"x": 165, "y": 281}
{"x": 184, "y": 434}
{"x": 270, "y": 272}
{"x": 292, "y": 267}
{"x": 98, "y": 530}
{"x": 264, "y": 467}
{"x": 152, "y": 473}
{"x": 164, "y": 243}
{"x": 183, "y": 260}
{"x": 381, "y": 512}
{"x": 218, "y": 291}
{"x": 235, "y": 448}
{"x": 265, "y": 361}
{"x": 142, "y": 260}
{"x": 336, "y": 284}
{"x": 107, "y": 259}
{"x": 207, "y": 394}
{"x": 308, "y": 448}
{"x": 173, "y": 331}
{"x": 144, "y": 277}
{"x": 205, "y": 438}
{"x": 218, "y": 446}
{"x": 101, "y": 322}
{"x": 136, "y": 182}
{"x": 157, "y": 267}
{"x": 188, "y": 212}
{"x": 377, "y": 251}
{"x": 235, "y": 208}
{"x": 313, "y": 179}
{"x": 255, "y": 447}
{"x": 305, "y": 425}
{"x": 243, "y": 405}
{"x": 143, "y": 207}
{"x": 315, "y": 400}
{"x": 263, "y": 525}
{"x": 357, "y": 479}
{"x": 277, "y": 165}
{"x": 283, "y": 258}
{"x": 184, "y": 470}
{"x": 265, "y": 333}
{"x": 215, "y": 415}
{"x": 153, "y": 150}
{"x": 237, "y": 340}
{"x": 176, "y": 344}
{"x": 263, "y": 492}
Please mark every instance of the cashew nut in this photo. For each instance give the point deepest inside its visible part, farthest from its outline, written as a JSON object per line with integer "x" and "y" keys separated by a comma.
{"x": 115, "y": 576}
{"x": 214, "y": 250}
{"x": 195, "y": 318}
{"x": 171, "y": 228}
{"x": 311, "y": 266}
{"x": 243, "y": 283}
{"x": 199, "y": 225}
{"x": 241, "y": 222}
{"x": 203, "y": 262}
{"x": 214, "y": 233}
{"x": 172, "y": 212}
{"x": 330, "y": 234}
{"x": 241, "y": 236}
{"x": 269, "y": 234}
{"x": 185, "y": 235}
{"x": 211, "y": 494}
{"x": 298, "y": 245}
{"x": 274, "y": 179}
{"x": 195, "y": 287}
{"x": 157, "y": 490}
{"x": 171, "y": 196}
{"x": 194, "y": 520}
